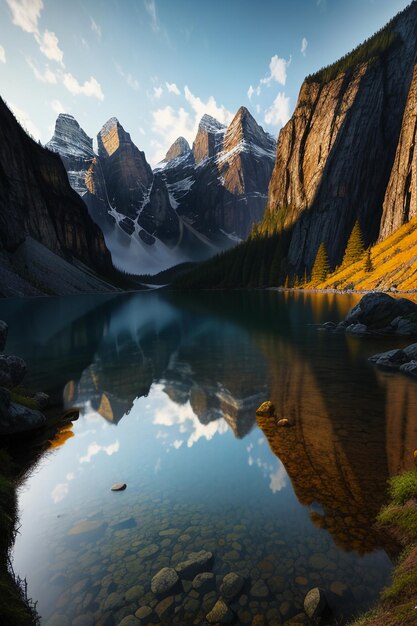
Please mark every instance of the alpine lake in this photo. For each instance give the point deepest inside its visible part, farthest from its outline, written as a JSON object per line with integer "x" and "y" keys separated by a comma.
{"x": 167, "y": 386}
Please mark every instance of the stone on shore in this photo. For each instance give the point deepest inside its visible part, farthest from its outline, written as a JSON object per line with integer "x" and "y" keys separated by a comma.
{"x": 17, "y": 418}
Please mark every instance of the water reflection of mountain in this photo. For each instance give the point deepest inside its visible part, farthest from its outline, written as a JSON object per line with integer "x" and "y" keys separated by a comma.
{"x": 223, "y": 354}
{"x": 189, "y": 354}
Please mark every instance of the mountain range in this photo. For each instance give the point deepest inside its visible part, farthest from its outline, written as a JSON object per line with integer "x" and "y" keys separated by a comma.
{"x": 347, "y": 155}
{"x": 256, "y": 209}
{"x": 196, "y": 202}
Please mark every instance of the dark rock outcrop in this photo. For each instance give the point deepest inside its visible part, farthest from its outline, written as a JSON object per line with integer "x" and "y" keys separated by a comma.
{"x": 381, "y": 314}
{"x": 37, "y": 201}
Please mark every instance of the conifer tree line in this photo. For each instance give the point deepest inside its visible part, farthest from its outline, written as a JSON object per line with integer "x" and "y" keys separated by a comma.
{"x": 261, "y": 261}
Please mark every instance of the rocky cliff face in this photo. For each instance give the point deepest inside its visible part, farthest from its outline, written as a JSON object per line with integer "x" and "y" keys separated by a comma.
{"x": 128, "y": 175}
{"x": 85, "y": 172}
{"x": 400, "y": 202}
{"x": 37, "y": 201}
{"x": 341, "y": 154}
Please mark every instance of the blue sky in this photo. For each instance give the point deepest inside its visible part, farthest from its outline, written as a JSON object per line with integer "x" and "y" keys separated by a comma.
{"x": 159, "y": 65}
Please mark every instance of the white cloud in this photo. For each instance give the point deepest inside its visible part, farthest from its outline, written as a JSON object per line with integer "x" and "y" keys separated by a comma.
{"x": 59, "y": 492}
{"x": 304, "y": 44}
{"x": 211, "y": 107}
{"x": 48, "y": 44}
{"x": 141, "y": 130}
{"x": 47, "y": 76}
{"x": 2, "y": 55}
{"x": 258, "y": 108}
{"x": 25, "y": 13}
{"x": 158, "y": 91}
{"x": 278, "y": 479}
{"x": 94, "y": 448}
{"x": 130, "y": 80}
{"x": 25, "y": 121}
{"x": 172, "y": 88}
{"x": 279, "y": 111}
{"x": 253, "y": 90}
{"x": 170, "y": 123}
{"x": 278, "y": 71}
{"x": 150, "y": 7}
{"x": 96, "y": 28}
{"x": 57, "y": 106}
{"x": 90, "y": 88}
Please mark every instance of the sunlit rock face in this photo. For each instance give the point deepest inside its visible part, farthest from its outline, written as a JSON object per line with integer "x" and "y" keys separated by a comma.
{"x": 347, "y": 153}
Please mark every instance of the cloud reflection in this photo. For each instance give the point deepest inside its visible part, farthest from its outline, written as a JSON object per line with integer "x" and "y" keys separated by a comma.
{"x": 94, "y": 448}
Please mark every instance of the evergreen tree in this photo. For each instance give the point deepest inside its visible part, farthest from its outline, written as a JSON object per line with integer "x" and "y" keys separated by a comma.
{"x": 368, "y": 261}
{"x": 321, "y": 265}
{"x": 355, "y": 248}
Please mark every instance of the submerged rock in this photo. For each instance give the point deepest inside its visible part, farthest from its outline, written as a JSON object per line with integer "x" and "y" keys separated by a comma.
{"x": 146, "y": 616}
{"x": 204, "y": 582}
{"x": 220, "y": 613}
{"x": 164, "y": 581}
{"x": 196, "y": 563}
{"x": 232, "y": 585}
{"x": 266, "y": 409}
{"x": 316, "y": 605}
{"x": 86, "y": 528}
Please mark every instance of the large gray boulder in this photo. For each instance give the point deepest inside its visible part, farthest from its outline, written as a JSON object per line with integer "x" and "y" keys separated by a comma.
{"x": 392, "y": 359}
{"x": 20, "y": 419}
{"x": 12, "y": 370}
{"x": 379, "y": 310}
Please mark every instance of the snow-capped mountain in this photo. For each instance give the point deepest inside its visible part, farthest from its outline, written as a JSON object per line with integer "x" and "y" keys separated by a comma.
{"x": 196, "y": 202}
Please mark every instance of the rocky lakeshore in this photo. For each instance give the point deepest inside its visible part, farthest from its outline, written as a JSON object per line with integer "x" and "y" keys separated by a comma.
{"x": 379, "y": 314}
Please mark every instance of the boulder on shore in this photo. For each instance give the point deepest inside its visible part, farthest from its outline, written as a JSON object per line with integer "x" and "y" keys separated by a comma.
{"x": 316, "y": 606}
{"x": 379, "y": 313}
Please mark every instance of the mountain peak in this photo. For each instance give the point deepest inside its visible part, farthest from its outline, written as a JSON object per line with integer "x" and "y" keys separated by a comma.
{"x": 180, "y": 147}
{"x": 210, "y": 124}
{"x": 111, "y": 135}
{"x": 244, "y": 133}
{"x": 69, "y": 139}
